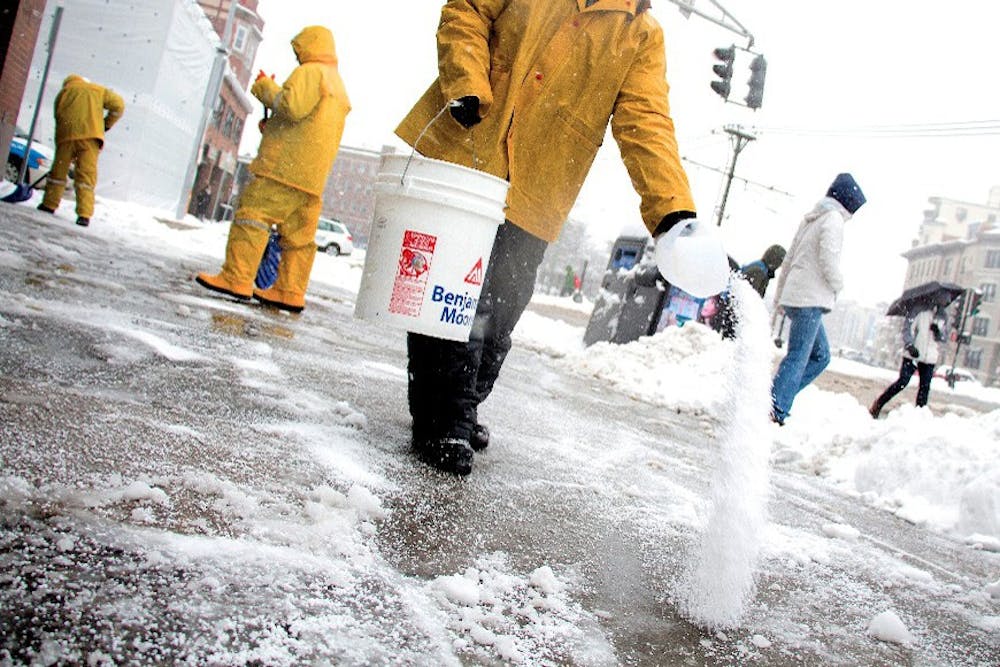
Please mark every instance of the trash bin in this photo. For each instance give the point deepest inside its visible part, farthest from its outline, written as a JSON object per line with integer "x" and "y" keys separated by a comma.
{"x": 631, "y": 296}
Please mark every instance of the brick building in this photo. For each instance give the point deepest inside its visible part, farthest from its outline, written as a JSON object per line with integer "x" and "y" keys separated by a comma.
{"x": 19, "y": 24}
{"x": 213, "y": 189}
{"x": 349, "y": 195}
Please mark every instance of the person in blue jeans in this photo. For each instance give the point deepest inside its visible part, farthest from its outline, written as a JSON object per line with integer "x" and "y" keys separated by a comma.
{"x": 808, "y": 288}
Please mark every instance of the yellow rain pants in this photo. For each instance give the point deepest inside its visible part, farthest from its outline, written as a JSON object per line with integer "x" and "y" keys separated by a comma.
{"x": 84, "y": 153}
{"x": 296, "y": 213}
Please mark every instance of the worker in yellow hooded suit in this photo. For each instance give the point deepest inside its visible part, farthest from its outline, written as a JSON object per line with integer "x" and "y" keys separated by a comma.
{"x": 530, "y": 87}
{"x": 84, "y": 111}
{"x": 297, "y": 149}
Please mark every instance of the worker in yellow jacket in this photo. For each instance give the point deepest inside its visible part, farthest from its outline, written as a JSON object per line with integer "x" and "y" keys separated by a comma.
{"x": 84, "y": 111}
{"x": 530, "y": 88}
{"x": 298, "y": 147}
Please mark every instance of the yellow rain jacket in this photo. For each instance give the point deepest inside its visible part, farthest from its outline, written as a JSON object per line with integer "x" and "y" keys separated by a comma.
{"x": 80, "y": 107}
{"x": 301, "y": 138}
{"x": 549, "y": 76}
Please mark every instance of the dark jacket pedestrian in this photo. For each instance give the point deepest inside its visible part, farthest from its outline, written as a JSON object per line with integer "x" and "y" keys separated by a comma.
{"x": 759, "y": 273}
{"x": 531, "y": 88}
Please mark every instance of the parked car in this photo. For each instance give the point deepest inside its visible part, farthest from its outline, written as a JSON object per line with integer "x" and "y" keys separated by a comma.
{"x": 39, "y": 162}
{"x": 958, "y": 375}
{"x": 333, "y": 237}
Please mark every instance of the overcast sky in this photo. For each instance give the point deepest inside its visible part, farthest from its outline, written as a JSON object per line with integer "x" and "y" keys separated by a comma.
{"x": 841, "y": 77}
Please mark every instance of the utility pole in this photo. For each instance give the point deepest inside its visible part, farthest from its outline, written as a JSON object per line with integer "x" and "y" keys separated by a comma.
{"x": 740, "y": 141}
{"x": 53, "y": 33}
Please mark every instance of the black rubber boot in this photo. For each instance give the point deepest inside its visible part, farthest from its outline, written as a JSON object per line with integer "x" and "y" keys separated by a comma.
{"x": 451, "y": 455}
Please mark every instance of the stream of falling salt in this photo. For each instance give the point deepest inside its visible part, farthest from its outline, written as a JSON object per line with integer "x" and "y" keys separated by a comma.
{"x": 718, "y": 581}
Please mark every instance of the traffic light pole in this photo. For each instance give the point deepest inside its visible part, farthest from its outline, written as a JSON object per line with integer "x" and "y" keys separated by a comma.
{"x": 740, "y": 141}
{"x": 967, "y": 309}
{"x": 727, "y": 20}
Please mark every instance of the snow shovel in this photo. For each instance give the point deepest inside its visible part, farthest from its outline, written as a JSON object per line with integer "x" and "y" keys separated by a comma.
{"x": 22, "y": 191}
{"x": 267, "y": 271}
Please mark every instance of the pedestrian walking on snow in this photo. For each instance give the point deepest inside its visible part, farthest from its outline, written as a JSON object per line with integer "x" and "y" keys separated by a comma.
{"x": 760, "y": 272}
{"x": 808, "y": 288}
{"x": 531, "y": 88}
{"x": 297, "y": 150}
{"x": 84, "y": 111}
{"x": 921, "y": 332}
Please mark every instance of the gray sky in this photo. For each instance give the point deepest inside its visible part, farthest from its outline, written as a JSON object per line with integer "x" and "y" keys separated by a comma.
{"x": 851, "y": 86}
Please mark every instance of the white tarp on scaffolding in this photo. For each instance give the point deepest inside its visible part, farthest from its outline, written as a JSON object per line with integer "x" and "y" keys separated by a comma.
{"x": 158, "y": 55}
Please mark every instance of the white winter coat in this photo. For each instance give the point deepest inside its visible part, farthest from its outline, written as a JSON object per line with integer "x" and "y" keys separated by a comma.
{"x": 917, "y": 332}
{"x": 810, "y": 275}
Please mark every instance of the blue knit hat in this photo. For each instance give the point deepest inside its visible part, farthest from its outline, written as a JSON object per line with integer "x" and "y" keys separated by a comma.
{"x": 846, "y": 190}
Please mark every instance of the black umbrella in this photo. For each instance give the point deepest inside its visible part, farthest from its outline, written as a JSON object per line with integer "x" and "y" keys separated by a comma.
{"x": 924, "y": 297}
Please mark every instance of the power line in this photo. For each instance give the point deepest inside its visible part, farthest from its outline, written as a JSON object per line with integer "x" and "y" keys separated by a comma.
{"x": 755, "y": 184}
{"x": 972, "y": 128}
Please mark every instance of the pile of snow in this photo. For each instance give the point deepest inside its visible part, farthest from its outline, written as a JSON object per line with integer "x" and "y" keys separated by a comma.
{"x": 532, "y": 619}
{"x": 942, "y": 472}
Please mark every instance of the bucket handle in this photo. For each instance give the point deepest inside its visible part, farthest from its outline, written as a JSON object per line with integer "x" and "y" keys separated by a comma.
{"x": 447, "y": 105}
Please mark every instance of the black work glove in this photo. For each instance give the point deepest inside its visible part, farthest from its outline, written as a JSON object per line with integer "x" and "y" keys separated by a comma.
{"x": 912, "y": 350}
{"x": 465, "y": 110}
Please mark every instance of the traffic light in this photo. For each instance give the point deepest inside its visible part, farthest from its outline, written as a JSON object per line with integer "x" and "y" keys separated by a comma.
{"x": 758, "y": 69}
{"x": 724, "y": 70}
{"x": 960, "y": 312}
{"x": 977, "y": 297}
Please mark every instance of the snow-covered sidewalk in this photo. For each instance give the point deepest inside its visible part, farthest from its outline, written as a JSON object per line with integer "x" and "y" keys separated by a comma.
{"x": 190, "y": 479}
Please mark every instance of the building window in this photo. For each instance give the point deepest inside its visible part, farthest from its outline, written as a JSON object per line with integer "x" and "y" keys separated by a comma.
{"x": 973, "y": 358}
{"x": 989, "y": 291}
{"x": 218, "y": 113}
{"x": 981, "y": 326}
{"x": 961, "y": 214}
{"x": 947, "y": 267}
{"x": 240, "y": 39}
{"x": 993, "y": 259}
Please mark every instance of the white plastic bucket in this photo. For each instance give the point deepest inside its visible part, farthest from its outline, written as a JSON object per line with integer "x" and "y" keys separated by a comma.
{"x": 429, "y": 245}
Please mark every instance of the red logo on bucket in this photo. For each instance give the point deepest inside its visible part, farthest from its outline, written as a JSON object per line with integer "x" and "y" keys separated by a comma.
{"x": 475, "y": 276}
{"x": 415, "y": 257}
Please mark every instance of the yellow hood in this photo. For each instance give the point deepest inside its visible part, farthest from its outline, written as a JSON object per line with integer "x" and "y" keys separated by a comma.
{"x": 315, "y": 44}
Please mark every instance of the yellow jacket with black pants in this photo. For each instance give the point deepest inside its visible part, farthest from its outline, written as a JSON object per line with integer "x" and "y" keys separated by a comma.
{"x": 545, "y": 80}
{"x": 84, "y": 111}
{"x": 297, "y": 149}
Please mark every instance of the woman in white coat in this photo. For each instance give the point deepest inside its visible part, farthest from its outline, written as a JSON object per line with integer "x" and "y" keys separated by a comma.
{"x": 922, "y": 332}
{"x": 808, "y": 287}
